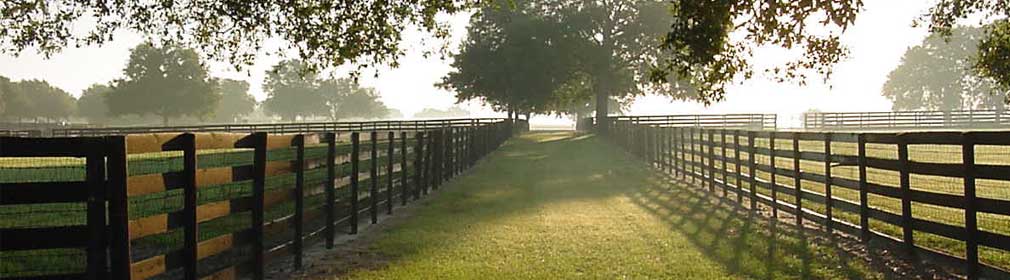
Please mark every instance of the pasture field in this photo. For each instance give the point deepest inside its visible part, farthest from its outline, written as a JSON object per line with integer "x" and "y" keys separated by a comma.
{"x": 995, "y": 189}
{"x": 559, "y": 205}
{"x": 50, "y": 261}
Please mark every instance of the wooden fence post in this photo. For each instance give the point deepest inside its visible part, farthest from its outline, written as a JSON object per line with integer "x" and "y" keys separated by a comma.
{"x": 258, "y": 142}
{"x": 389, "y": 172}
{"x": 828, "y": 197}
{"x": 428, "y": 162}
{"x": 711, "y": 161}
{"x": 797, "y": 181}
{"x": 694, "y": 155}
{"x": 119, "y": 218}
{"x": 373, "y": 177}
{"x": 774, "y": 170}
{"x": 418, "y": 164}
{"x": 723, "y": 162}
{"x": 970, "y": 205}
{"x": 736, "y": 155}
{"x": 97, "y": 243}
{"x": 906, "y": 195}
{"x": 864, "y": 208}
{"x": 403, "y": 169}
{"x": 330, "y": 185}
{"x": 751, "y": 169}
{"x": 355, "y": 158}
{"x": 299, "y": 166}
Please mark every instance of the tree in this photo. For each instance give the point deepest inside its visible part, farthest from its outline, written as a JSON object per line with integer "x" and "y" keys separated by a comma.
{"x": 292, "y": 91}
{"x": 38, "y": 99}
{"x": 936, "y": 75}
{"x": 345, "y": 98}
{"x": 512, "y": 59}
{"x": 92, "y": 103}
{"x": 168, "y": 81}
{"x": 235, "y": 100}
{"x": 993, "y": 54}
{"x": 323, "y": 32}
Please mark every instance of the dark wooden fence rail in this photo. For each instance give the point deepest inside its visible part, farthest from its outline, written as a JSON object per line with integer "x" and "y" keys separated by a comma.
{"x": 21, "y": 133}
{"x": 907, "y": 120}
{"x": 939, "y": 194}
{"x": 400, "y": 125}
{"x": 221, "y": 205}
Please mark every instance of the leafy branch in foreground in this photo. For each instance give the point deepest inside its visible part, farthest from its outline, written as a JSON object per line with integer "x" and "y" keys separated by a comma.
{"x": 324, "y": 33}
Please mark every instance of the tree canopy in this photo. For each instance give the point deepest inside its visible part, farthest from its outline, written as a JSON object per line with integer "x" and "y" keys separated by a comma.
{"x": 35, "y": 99}
{"x": 345, "y": 98}
{"x": 322, "y": 32}
{"x": 92, "y": 103}
{"x": 168, "y": 81}
{"x": 295, "y": 90}
{"x": 235, "y": 100}
{"x": 936, "y": 75}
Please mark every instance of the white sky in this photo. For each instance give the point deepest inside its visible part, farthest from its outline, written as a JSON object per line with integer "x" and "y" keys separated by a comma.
{"x": 880, "y": 36}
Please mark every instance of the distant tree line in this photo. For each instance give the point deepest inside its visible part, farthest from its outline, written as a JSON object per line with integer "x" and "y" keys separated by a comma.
{"x": 171, "y": 82}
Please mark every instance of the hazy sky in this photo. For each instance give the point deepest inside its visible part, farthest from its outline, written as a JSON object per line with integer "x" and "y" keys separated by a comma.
{"x": 880, "y": 36}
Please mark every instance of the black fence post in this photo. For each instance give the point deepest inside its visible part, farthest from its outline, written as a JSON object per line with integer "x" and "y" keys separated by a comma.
{"x": 906, "y": 195}
{"x": 373, "y": 177}
{"x": 96, "y": 250}
{"x": 797, "y": 181}
{"x": 751, "y": 169}
{"x": 355, "y": 158}
{"x": 403, "y": 169}
{"x": 186, "y": 143}
{"x": 722, "y": 163}
{"x": 864, "y": 208}
{"x": 390, "y": 159}
{"x": 299, "y": 166}
{"x": 970, "y": 206}
{"x": 418, "y": 164}
{"x": 694, "y": 152}
{"x": 736, "y": 155}
{"x": 330, "y": 185}
{"x": 711, "y": 161}
{"x": 829, "y": 200}
{"x": 119, "y": 218}
{"x": 774, "y": 172}
{"x": 258, "y": 142}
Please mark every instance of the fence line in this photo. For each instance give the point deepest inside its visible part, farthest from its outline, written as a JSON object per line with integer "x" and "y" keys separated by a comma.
{"x": 907, "y": 119}
{"x": 21, "y": 133}
{"x": 748, "y": 121}
{"x": 934, "y": 193}
{"x": 398, "y": 125}
{"x": 220, "y": 205}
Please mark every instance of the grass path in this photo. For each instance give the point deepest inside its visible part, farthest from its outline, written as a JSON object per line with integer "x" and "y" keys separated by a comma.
{"x": 558, "y": 205}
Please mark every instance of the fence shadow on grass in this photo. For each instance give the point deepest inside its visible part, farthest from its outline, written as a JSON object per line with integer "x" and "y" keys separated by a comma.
{"x": 745, "y": 242}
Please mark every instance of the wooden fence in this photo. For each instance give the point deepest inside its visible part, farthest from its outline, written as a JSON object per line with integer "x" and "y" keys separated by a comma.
{"x": 215, "y": 205}
{"x": 21, "y": 133}
{"x": 742, "y": 121}
{"x": 402, "y": 125}
{"x": 907, "y": 120}
{"x": 945, "y": 195}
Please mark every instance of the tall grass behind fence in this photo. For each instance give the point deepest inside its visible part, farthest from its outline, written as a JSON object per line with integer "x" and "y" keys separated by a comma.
{"x": 944, "y": 195}
{"x": 212, "y": 205}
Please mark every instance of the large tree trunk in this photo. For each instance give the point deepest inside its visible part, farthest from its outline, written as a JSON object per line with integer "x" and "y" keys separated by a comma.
{"x": 602, "y": 96}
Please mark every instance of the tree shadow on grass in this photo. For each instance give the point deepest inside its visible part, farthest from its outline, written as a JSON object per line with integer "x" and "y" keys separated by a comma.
{"x": 745, "y": 242}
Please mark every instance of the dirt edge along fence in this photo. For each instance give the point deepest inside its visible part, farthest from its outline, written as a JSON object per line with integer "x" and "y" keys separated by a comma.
{"x": 940, "y": 195}
{"x": 222, "y": 205}
{"x": 958, "y": 119}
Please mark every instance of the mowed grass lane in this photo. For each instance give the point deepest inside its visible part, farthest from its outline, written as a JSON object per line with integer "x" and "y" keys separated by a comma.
{"x": 560, "y": 205}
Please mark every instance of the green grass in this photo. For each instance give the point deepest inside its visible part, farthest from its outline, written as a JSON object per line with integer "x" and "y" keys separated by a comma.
{"x": 558, "y": 205}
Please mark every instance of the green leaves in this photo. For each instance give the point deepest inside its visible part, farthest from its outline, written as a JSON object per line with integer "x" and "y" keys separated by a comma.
{"x": 325, "y": 33}
{"x": 993, "y": 57}
{"x": 294, "y": 90}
